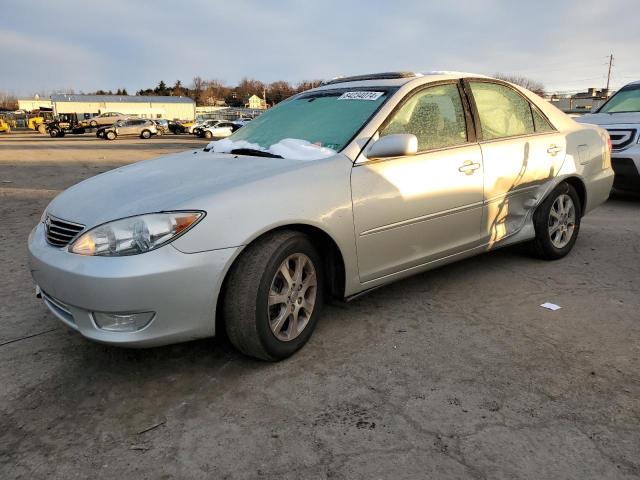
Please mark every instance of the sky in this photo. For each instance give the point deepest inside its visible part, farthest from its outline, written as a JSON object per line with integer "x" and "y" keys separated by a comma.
{"x": 74, "y": 44}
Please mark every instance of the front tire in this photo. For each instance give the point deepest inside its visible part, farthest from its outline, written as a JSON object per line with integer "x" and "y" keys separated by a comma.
{"x": 93, "y": 124}
{"x": 146, "y": 134}
{"x": 557, "y": 223}
{"x": 111, "y": 135}
{"x": 273, "y": 296}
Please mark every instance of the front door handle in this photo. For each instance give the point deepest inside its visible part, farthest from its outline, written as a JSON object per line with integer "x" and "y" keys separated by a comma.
{"x": 469, "y": 167}
{"x": 553, "y": 150}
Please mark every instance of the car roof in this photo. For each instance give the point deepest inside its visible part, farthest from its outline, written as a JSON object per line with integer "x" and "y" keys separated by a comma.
{"x": 393, "y": 79}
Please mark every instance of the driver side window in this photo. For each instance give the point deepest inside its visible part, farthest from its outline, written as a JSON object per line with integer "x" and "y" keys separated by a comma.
{"x": 434, "y": 115}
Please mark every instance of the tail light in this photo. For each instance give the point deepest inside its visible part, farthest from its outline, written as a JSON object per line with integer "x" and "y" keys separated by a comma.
{"x": 607, "y": 154}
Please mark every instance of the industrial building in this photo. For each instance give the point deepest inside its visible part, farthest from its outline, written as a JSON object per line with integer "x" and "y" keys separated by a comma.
{"x": 171, "y": 108}
{"x": 581, "y": 102}
{"x": 34, "y": 103}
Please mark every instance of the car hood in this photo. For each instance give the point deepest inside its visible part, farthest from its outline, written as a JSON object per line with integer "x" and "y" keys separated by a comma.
{"x": 172, "y": 182}
{"x": 609, "y": 118}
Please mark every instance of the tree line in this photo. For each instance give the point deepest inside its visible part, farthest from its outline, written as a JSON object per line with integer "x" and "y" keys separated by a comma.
{"x": 214, "y": 92}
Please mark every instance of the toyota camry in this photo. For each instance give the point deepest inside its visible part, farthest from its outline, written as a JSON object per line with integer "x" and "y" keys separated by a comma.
{"x": 338, "y": 190}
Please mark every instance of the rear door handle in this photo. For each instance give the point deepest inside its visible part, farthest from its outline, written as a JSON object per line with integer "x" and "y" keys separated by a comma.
{"x": 553, "y": 150}
{"x": 469, "y": 167}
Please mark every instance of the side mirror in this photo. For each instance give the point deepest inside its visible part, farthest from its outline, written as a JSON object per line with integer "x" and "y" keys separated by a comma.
{"x": 397, "y": 145}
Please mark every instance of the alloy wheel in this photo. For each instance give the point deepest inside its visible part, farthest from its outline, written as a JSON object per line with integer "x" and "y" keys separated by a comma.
{"x": 562, "y": 221}
{"x": 292, "y": 297}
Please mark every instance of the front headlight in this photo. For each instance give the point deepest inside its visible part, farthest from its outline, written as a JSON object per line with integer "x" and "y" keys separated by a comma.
{"x": 135, "y": 235}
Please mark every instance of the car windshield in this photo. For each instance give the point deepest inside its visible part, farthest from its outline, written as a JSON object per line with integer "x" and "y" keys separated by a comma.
{"x": 321, "y": 123}
{"x": 626, "y": 100}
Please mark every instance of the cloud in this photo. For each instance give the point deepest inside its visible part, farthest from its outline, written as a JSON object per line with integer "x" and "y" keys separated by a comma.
{"x": 135, "y": 44}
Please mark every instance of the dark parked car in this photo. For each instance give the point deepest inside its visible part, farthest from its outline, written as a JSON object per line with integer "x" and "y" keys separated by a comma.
{"x": 177, "y": 128}
{"x": 63, "y": 124}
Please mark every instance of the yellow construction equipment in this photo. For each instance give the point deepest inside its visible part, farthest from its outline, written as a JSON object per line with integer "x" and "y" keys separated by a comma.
{"x": 4, "y": 126}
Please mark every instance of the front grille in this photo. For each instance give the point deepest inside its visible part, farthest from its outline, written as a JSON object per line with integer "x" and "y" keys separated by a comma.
{"x": 621, "y": 137}
{"x": 60, "y": 232}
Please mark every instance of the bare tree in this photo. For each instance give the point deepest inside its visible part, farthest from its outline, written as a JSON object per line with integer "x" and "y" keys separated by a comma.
{"x": 279, "y": 91}
{"x": 214, "y": 91}
{"x": 8, "y": 101}
{"x": 248, "y": 87}
{"x": 198, "y": 88}
{"x": 528, "y": 83}
{"x": 307, "y": 84}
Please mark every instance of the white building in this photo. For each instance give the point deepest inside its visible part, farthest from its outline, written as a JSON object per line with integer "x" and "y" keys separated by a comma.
{"x": 171, "y": 108}
{"x": 33, "y": 103}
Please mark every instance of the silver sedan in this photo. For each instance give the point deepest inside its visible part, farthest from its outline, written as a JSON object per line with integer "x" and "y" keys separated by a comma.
{"x": 335, "y": 191}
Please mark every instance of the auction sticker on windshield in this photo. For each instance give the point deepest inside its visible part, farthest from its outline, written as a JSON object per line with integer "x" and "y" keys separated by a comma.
{"x": 360, "y": 95}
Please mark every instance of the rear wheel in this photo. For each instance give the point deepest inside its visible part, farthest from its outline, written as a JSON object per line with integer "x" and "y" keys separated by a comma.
{"x": 111, "y": 135}
{"x": 557, "y": 223}
{"x": 93, "y": 124}
{"x": 146, "y": 134}
{"x": 53, "y": 133}
{"x": 273, "y": 296}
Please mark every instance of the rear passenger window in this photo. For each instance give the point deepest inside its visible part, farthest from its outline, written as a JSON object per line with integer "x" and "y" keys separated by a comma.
{"x": 434, "y": 115}
{"x": 502, "y": 111}
{"x": 541, "y": 124}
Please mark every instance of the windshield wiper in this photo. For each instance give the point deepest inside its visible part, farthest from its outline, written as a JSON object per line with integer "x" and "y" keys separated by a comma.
{"x": 254, "y": 152}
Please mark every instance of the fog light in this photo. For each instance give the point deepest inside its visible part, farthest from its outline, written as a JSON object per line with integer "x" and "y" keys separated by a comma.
{"x": 122, "y": 322}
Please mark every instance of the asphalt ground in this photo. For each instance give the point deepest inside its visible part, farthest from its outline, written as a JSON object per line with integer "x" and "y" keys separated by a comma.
{"x": 455, "y": 373}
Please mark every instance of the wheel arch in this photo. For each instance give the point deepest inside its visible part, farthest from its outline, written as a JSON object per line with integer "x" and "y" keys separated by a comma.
{"x": 580, "y": 189}
{"x": 334, "y": 265}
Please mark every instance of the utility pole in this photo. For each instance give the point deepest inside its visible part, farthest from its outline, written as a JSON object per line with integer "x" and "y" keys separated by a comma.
{"x": 609, "y": 72}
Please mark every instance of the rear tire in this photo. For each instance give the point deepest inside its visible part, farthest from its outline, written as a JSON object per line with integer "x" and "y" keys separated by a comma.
{"x": 93, "y": 124}
{"x": 53, "y": 133}
{"x": 273, "y": 296}
{"x": 557, "y": 223}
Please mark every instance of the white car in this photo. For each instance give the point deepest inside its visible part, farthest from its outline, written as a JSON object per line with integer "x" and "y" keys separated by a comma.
{"x": 198, "y": 127}
{"x": 220, "y": 130}
{"x": 620, "y": 115}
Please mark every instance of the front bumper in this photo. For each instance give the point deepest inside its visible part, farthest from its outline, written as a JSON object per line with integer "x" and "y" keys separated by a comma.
{"x": 182, "y": 289}
{"x": 626, "y": 165}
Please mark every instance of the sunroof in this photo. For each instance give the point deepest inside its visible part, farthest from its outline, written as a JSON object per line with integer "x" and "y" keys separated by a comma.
{"x": 373, "y": 76}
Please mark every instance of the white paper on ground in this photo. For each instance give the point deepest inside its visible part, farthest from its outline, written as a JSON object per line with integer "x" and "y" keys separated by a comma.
{"x": 551, "y": 306}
